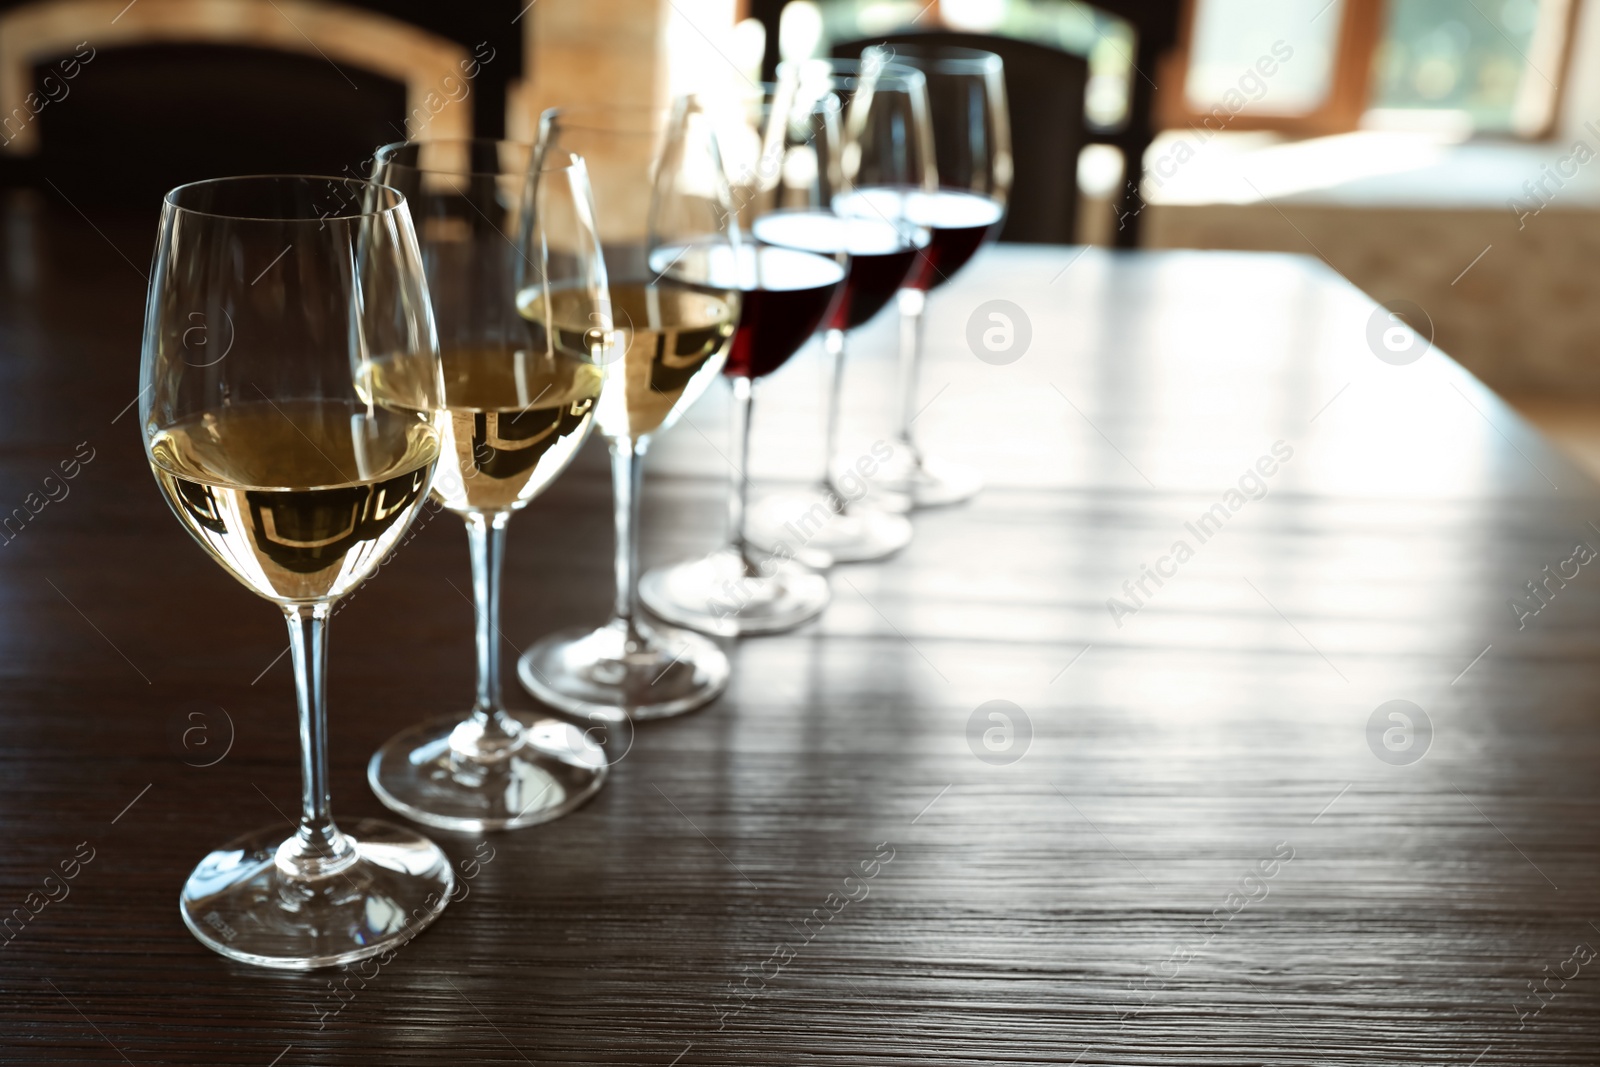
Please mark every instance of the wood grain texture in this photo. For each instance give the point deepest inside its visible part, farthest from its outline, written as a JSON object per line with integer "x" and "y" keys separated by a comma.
{"x": 1062, "y": 909}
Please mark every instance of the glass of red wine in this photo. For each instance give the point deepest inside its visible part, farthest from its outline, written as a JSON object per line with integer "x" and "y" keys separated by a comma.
{"x": 886, "y": 144}
{"x": 778, "y": 159}
{"x": 972, "y": 148}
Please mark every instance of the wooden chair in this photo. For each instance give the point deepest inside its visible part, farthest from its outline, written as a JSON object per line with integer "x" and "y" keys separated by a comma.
{"x": 178, "y": 90}
{"x": 1155, "y": 23}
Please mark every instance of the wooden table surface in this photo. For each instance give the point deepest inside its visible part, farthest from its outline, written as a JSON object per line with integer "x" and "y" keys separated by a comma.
{"x": 1199, "y": 857}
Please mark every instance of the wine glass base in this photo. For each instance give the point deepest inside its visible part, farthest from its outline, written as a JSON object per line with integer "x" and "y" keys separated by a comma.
{"x": 715, "y": 596}
{"x": 602, "y": 674}
{"x": 928, "y": 481}
{"x": 554, "y": 770}
{"x": 858, "y": 535}
{"x": 239, "y": 903}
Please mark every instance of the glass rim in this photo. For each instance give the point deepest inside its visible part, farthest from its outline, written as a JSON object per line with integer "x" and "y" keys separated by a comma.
{"x": 565, "y": 114}
{"x": 382, "y": 156}
{"x": 396, "y": 198}
{"x": 947, "y": 58}
{"x": 849, "y": 70}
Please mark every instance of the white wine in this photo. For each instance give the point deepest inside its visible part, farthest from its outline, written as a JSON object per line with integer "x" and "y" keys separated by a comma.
{"x": 667, "y": 345}
{"x": 514, "y": 421}
{"x": 300, "y": 499}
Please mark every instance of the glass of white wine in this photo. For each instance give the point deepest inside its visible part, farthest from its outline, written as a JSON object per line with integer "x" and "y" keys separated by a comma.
{"x": 291, "y": 412}
{"x": 520, "y": 401}
{"x": 667, "y": 230}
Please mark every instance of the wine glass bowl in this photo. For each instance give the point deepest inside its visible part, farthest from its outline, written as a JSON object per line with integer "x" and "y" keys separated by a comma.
{"x": 520, "y": 398}
{"x": 289, "y": 408}
{"x": 969, "y": 119}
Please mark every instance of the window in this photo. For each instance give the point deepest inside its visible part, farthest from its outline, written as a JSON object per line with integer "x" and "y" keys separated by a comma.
{"x": 1298, "y": 38}
{"x": 1478, "y": 66}
{"x": 1498, "y": 68}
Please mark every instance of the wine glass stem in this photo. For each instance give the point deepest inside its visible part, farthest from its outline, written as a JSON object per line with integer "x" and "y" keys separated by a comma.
{"x": 833, "y": 344}
{"x": 912, "y": 302}
{"x": 486, "y": 535}
{"x": 627, "y": 481}
{"x": 739, "y": 498}
{"x": 318, "y": 848}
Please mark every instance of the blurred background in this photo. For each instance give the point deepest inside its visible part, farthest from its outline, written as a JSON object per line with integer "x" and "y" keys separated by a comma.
{"x": 1436, "y": 151}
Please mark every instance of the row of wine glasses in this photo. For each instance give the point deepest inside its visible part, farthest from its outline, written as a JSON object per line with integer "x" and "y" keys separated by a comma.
{"x": 456, "y": 325}
{"x": 459, "y": 325}
{"x": 846, "y": 170}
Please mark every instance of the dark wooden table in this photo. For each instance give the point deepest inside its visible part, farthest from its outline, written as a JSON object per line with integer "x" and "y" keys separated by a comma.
{"x": 1198, "y": 859}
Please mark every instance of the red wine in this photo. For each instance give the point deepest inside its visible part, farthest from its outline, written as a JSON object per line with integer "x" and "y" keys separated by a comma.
{"x": 785, "y": 294}
{"x": 881, "y": 256}
{"x": 959, "y": 222}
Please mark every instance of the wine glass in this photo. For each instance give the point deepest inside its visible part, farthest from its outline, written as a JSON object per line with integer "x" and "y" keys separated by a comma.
{"x": 972, "y": 146}
{"x": 297, "y": 458}
{"x": 780, "y": 154}
{"x": 885, "y": 145}
{"x": 519, "y": 402}
{"x": 665, "y": 221}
